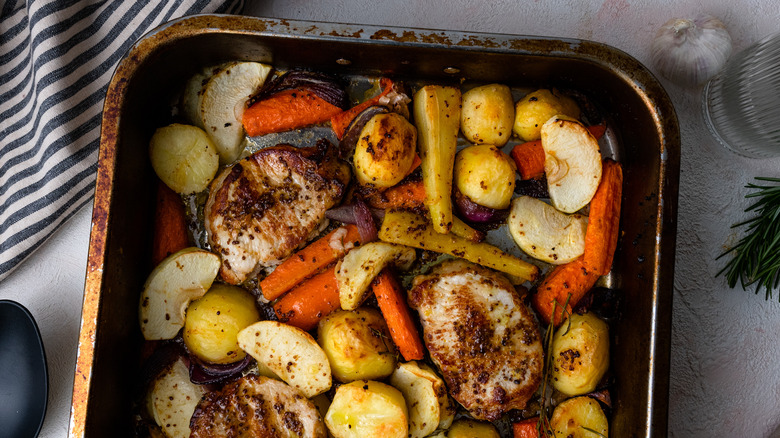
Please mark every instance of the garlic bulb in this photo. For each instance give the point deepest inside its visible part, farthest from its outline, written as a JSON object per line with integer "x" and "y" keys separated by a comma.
{"x": 690, "y": 52}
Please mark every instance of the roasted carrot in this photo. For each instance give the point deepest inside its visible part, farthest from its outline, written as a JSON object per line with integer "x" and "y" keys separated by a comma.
{"x": 392, "y": 303}
{"x": 526, "y": 428}
{"x": 286, "y": 110}
{"x": 408, "y": 195}
{"x": 340, "y": 122}
{"x": 529, "y": 156}
{"x": 306, "y": 304}
{"x": 170, "y": 224}
{"x": 309, "y": 260}
{"x": 573, "y": 278}
{"x": 601, "y": 235}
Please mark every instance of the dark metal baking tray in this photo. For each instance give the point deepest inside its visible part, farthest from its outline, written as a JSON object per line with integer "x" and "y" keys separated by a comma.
{"x": 643, "y": 135}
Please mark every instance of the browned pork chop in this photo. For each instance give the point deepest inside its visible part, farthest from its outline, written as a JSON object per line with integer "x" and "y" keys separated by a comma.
{"x": 262, "y": 208}
{"x": 481, "y": 335}
{"x": 258, "y": 407}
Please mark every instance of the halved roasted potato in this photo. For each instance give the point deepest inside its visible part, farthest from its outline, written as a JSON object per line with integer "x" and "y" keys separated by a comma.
{"x": 464, "y": 428}
{"x": 488, "y": 114}
{"x": 384, "y": 152}
{"x": 180, "y": 278}
{"x": 580, "y": 354}
{"x": 572, "y": 163}
{"x": 422, "y": 401}
{"x": 172, "y": 400}
{"x": 545, "y": 233}
{"x": 535, "y": 108}
{"x": 213, "y": 321}
{"x": 366, "y": 408}
{"x": 183, "y": 157}
{"x": 579, "y": 417}
{"x": 358, "y": 344}
{"x": 290, "y": 353}
{"x": 362, "y": 264}
{"x": 223, "y": 101}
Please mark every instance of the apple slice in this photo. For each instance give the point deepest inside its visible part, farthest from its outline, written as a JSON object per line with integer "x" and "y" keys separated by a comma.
{"x": 223, "y": 101}
{"x": 180, "y": 278}
{"x": 572, "y": 163}
{"x": 173, "y": 398}
{"x": 422, "y": 401}
{"x": 545, "y": 233}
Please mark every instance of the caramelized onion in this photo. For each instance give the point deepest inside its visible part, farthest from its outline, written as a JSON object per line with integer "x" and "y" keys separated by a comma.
{"x": 359, "y": 214}
{"x": 473, "y": 212}
{"x": 324, "y": 86}
{"x": 203, "y": 373}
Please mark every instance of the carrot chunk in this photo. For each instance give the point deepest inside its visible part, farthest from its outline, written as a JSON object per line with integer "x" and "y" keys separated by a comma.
{"x": 408, "y": 195}
{"x": 170, "y": 224}
{"x": 392, "y": 303}
{"x": 309, "y": 260}
{"x": 602, "y": 233}
{"x": 306, "y": 304}
{"x": 526, "y": 428}
{"x": 286, "y": 110}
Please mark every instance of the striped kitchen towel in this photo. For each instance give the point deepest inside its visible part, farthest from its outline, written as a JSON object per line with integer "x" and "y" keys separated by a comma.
{"x": 56, "y": 60}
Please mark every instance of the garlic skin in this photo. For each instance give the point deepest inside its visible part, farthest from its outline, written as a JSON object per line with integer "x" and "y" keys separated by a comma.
{"x": 690, "y": 52}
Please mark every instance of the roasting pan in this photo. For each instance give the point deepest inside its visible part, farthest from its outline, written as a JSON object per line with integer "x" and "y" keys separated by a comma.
{"x": 643, "y": 135}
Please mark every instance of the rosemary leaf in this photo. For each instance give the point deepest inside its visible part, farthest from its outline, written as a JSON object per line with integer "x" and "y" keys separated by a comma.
{"x": 756, "y": 257}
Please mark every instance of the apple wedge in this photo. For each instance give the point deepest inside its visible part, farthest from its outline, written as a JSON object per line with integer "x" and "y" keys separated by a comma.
{"x": 356, "y": 271}
{"x": 290, "y": 353}
{"x": 422, "y": 402}
{"x": 223, "y": 101}
{"x": 545, "y": 233}
{"x": 173, "y": 398}
{"x": 572, "y": 163}
{"x": 180, "y": 278}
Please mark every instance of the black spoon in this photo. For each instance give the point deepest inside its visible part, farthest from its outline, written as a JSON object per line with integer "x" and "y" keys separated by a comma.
{"x": 24, "y": 383}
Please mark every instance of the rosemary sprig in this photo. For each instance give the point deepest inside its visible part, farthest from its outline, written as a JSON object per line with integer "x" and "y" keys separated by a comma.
{"x": 756, "y": 257}
{"x": 543, "y": 426}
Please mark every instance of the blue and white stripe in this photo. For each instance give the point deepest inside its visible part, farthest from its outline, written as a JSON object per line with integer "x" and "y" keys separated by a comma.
{"x": 56, "y": 60}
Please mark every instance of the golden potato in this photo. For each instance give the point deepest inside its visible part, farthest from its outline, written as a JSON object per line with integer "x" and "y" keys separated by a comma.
{"x": 184, "y": 157}
{"x": 385, "y": 150}
{"x": 472, "y": 429}
{"x": 581, "y": 355}
{"x": 366, "y": 408}
{"x": 573, "y": 418}
{"x": 358, "y": 344}
{"x": 487, "y": 114}
{"x": 214, "y": 320}
{"x": 533, "y": 110}
{"x": 485, "y": 175}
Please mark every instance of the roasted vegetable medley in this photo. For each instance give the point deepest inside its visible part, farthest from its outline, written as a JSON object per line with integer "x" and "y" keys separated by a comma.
{"x": 326, "y": 260}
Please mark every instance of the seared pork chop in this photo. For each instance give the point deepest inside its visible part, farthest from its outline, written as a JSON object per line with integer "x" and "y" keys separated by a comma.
{"x": 262, "y": 208}
{"x": 481, "y": 335}
{"x": 258, "y": 407}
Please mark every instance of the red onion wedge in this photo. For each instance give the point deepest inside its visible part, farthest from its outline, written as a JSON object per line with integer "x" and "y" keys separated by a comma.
{"x": 203, "y": 373}
{"x": 359, "y": 214}
{"x": 473, "y": 212}
{"x": 324, "y": 86}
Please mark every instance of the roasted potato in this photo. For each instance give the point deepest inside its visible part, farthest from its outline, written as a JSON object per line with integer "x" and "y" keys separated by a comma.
{"x": 572, "y": 163}
{"x": 576, "y": 417}
{"x": 437, "y": 115}
{"x": 545, "y": 233}
{"x": 385, "y": 150}
{"x": 533, "y": 110}
{"x": 487, "y": 115}
{"x": 362, "y": 264}
{"x": 472, "y": 429}
{"x": 172, "y": 400}
{"x": 580, "y": 354}
{"x": 485, "y": 175}
{"x": 291, "y": 353}
{"x": 180, "y": 278}
{"x": 366, "y": 408}
{"x": 214, "y": 320}
{"x": 357, "y": 344}
{"x": 183, "y": 157}
{"x": 422, "y": 401}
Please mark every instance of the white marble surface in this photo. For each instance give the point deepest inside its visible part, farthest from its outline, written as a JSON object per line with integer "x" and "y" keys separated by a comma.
{"x": 724, "y": 381}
